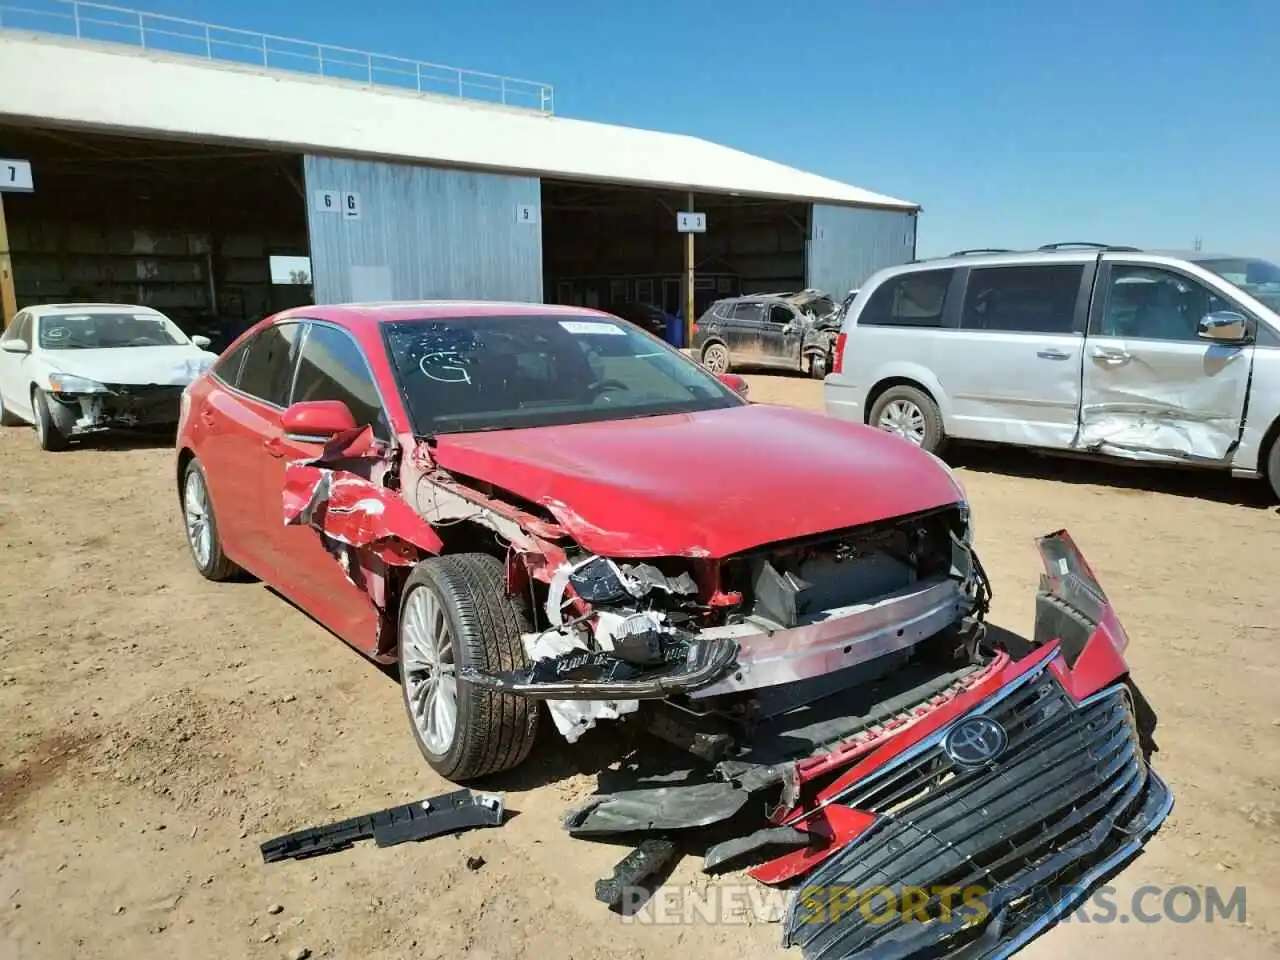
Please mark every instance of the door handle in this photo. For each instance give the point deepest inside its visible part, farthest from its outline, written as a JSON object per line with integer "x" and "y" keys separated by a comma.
{"x": 1107, "y": 355}
{"x": 273, "y": 446}
{"x": 207, "y": 417}
{"x": 1052, "y": 353}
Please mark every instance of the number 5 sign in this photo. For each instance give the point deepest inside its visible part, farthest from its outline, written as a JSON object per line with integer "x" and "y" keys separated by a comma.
{"x": 15, "y": 177}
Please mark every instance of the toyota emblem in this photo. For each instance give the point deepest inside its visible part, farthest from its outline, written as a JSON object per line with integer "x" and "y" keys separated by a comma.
{"x": 975, "y": 741}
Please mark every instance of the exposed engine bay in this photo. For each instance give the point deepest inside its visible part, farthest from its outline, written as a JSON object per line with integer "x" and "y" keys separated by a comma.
{"x": 744, "y": 633}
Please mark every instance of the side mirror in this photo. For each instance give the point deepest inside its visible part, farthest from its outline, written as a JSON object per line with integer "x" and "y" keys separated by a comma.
{"x": 317, "y": 421}
{"x": 735, "y": 383}
{"x": 204, "y": 343}
{"x": 15, "y": 346}
{"x": 1225, "y": 325}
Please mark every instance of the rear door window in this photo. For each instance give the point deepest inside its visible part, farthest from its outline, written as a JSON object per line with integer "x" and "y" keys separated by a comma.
{"x": 916, "y": 299}
{"x": 267, "y": 370}
{"x": 1026, "y": 299}
{"x": 747, "y": 312}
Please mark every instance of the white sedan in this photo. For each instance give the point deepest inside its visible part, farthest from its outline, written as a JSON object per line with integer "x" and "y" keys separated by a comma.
{"x": 79, "y": 368}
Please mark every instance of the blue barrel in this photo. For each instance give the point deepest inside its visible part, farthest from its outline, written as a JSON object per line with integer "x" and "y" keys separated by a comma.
{"x": 675, "y": 331}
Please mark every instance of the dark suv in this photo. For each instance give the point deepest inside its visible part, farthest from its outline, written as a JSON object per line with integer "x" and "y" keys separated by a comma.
{"x": 795, "y": 331}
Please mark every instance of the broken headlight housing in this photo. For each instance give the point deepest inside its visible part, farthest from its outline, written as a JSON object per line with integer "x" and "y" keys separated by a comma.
{"x": 70, "y": 383}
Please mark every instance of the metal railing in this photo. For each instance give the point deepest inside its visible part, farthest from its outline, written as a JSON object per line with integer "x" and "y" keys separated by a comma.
{"x": 164, "y": 34}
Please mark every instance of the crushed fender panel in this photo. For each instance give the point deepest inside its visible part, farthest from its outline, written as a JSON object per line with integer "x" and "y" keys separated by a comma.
{"x": 433, "y": 817}
{"x": 349, "y": 509}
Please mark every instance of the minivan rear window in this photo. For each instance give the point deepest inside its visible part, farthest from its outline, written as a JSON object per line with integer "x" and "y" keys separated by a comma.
{"x": 909, "y": 300}
{"x": 1037, "y": 298}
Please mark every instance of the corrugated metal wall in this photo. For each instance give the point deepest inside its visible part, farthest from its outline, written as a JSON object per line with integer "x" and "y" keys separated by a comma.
{"x": 848, "y": 244}
{"x": 421, "y": 232}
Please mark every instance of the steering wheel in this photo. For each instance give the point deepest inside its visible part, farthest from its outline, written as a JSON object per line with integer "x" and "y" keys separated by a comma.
{"x": 143, "y": 342}
{"x": 604, "y": 386}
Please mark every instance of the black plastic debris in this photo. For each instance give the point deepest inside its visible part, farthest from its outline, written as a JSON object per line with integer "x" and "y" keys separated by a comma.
{"x": 625, "y": 889}
{"x": 597, "y": 581}
{"x": 433, "y": 817}
{"x": 754, "y": 848}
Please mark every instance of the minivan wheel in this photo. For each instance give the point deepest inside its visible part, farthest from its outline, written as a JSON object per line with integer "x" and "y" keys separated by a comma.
{"x": 455, "y": 613}
{"x": 911, "y": 414}
{"x": 715, "y": 357}
{"x": 1273, "y": 467}
{"x": 818, "y": 366}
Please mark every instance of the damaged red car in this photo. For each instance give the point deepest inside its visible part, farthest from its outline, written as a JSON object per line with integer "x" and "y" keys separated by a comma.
{"x": 545, "y": 513}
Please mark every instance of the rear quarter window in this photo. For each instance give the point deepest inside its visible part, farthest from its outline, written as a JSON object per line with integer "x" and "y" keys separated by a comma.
{"x": 917, "y": 299}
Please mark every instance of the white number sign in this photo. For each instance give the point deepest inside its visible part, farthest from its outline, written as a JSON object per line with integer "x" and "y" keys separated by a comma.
{"x": 526, "y": 213}
{"x": 688, "y": 222}
{"x": 351, "y": 206}
{"x": 15, "y": 176}
{"x": 328, "y": 201}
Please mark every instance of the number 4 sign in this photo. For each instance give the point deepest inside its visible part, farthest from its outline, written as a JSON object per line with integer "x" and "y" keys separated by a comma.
{"x": 15, "y": 177}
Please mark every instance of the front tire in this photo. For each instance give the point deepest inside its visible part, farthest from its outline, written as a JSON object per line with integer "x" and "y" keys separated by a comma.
{"x": 48, "y": 435}
{"x": 1273, "y": 467}
{"x": 911, "y": 414}
{"x": 202, "y": 527}
{"x": 455, "y": 613}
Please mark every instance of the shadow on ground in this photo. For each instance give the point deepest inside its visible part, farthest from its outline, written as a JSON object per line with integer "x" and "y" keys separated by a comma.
{"x": 1135, "y": 478}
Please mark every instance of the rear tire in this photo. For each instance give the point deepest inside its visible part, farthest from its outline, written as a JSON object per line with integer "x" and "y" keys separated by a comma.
{"x": 911, "y": 414}
{"x": 202, "y": 527}
{"x": 455, "y": 613}
{"x": 8, "y": 419}
{"x": 715, "y": 357}
{"x": 818, "y": 366}
{"x": 47, "y": 433}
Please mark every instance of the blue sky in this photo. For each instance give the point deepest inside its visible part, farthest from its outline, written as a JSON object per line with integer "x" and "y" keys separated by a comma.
{"x": 1012, "y": 123}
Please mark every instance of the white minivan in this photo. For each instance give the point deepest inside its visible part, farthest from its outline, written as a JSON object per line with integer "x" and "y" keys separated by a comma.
{"x": 1086, "y": 348}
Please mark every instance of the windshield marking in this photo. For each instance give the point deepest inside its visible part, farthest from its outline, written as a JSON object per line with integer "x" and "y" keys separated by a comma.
{"x": 440, "y": 361}
{"x": 592, "y": 326}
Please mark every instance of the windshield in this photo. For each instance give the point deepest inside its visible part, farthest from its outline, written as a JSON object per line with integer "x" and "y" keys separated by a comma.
{"x": 496, "y": 373}
{"x": 1258, "y": 278}
{"x": 97, "y": 331}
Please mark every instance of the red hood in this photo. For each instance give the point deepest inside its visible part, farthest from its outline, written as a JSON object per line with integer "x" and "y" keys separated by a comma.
{"x": 705, "y": 484}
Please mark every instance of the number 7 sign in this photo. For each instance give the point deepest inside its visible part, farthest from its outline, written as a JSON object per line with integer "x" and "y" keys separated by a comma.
{"x": 15, "y": 176}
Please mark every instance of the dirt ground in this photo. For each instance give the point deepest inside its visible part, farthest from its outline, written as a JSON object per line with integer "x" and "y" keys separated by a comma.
{"x": 155, "y": 728}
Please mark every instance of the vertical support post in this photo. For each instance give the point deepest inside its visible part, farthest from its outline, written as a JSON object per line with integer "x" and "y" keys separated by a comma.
{"x": 208, "y": 44}
{"x": 8, "y": 299}
{"x": 142, "y": 31}
{"x": 688, "y": 281}
{"x": 75, "y": 14}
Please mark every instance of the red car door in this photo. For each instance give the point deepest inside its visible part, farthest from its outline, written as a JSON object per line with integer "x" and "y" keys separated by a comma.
{"x": 236, "y": 418}
{"x": 331, "y": 367}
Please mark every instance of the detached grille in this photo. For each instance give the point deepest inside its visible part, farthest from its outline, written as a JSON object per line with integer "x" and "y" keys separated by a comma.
{"x": 1070, "y": 789}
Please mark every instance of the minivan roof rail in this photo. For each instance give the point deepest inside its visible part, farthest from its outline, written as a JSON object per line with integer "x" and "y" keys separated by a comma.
{"x": 976, "y": 250}
{"x": 1087, "y": 245}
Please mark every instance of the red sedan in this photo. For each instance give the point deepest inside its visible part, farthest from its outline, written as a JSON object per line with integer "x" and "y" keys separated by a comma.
{"x": 528, "y": 505}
